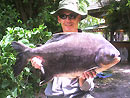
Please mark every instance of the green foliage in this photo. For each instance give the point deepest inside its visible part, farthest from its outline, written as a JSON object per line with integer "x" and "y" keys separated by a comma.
{"x": 26, "y": 84}
{"x": 8, "y": 17}
{"x": 89, "y": 21}
{"x": 39, "y": 13}
{"x": 83, "y": 5}
{"x": 30, "y": 14}
{"x": 50, "y": 20}
{"x": 118, "y": 15}
{"x": 128, "y": 4}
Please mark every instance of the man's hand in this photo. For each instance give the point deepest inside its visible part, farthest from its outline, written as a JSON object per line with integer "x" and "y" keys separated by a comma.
{"x": 86, "y": 75}
{"x": 37, "y": 62}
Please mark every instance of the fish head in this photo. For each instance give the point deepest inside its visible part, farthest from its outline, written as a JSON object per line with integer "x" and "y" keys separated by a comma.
{"x": 107, "y": 55}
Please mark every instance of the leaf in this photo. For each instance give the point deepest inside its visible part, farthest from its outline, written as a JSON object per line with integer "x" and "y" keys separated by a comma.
{"x": 5, "y": 83}
{"x": 20, "y": 21}
{"x": 49, "y": 34}
{"x": 27, "y": 69}
{"x": 25, "y": 41}
{"x": 0, "y": 66}
{"x": 14, "y": 93}
{"x": 9, "y": 96}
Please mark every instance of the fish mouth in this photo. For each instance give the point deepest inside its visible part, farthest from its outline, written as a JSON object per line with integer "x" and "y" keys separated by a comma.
{"x": 105, "y": 67}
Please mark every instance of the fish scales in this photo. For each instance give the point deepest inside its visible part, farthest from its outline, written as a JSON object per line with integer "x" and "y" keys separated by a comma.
{"x": 71, "y": 55}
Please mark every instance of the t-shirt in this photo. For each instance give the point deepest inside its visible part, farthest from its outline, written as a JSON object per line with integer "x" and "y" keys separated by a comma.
{"x": 67, "y": 87}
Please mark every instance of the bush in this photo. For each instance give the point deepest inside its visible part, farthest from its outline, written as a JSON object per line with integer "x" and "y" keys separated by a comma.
{"x": 26, "y": 84}
{"x": 8, "y": 17}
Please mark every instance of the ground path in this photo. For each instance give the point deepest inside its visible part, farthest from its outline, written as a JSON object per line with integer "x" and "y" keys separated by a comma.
{"x": 116, "y": 86}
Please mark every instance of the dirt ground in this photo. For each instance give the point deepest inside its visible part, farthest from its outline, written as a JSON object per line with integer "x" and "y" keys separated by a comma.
{"x": 116, "y": 86}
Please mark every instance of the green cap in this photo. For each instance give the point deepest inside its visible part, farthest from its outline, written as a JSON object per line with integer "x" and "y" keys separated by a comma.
{"x": 71, "y": 5}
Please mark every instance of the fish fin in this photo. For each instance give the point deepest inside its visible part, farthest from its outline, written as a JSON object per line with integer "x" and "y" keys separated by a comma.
{"x": 19, "y": 47}
{"x": 45, "y": 78}
{"x": 43, "y": 82}
{"x": 21, "y": 61}
{"x": 57, "y": 37}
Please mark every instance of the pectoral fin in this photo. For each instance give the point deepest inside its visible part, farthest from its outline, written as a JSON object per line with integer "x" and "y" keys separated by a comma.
{"x": 46, "y": 76}
{"x": 45, "y": 79}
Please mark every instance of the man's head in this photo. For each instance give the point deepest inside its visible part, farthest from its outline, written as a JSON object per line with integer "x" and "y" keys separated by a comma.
{"x": 69, "y": 20}
{"x": 69, "y": 15}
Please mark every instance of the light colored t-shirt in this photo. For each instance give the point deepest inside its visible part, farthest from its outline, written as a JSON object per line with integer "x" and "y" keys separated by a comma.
{"x": 67, "y": 87}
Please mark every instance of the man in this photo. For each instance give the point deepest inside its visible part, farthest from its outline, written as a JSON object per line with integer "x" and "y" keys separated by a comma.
{"x": 68, "y": 16}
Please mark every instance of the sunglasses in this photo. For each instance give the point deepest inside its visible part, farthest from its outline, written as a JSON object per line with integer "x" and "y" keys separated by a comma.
{"x": 70, "y": 16}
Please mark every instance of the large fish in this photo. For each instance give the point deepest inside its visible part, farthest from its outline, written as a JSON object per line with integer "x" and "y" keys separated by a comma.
{"x": 69, "y": 55}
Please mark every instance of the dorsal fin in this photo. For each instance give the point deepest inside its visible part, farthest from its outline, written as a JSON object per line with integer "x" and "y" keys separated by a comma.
{"x": 57, "y": 37}
{"x": 19, "y": 47}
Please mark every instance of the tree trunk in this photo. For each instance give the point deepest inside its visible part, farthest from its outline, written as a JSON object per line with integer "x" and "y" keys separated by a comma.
{"x": 29, "y": 9}
{"x": 111, "y": 36}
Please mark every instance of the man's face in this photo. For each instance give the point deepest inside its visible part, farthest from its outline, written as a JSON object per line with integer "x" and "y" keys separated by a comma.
{"x": 69, "y": 23}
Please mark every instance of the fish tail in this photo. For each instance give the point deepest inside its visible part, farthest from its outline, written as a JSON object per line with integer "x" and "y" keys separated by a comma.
{"x": 21, "y": 58}
{"x": 21, "y": 62}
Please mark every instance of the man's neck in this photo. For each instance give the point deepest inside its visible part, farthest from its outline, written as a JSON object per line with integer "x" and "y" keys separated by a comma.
{"x": 70, "y": 30}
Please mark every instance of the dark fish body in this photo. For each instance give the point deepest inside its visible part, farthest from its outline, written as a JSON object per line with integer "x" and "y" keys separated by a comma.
{"x": 69, "y": 55}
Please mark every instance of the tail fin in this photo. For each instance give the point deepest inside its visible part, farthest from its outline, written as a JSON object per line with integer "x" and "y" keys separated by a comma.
{"x": 20, "y": 63}
{"x": 21, "y": 59}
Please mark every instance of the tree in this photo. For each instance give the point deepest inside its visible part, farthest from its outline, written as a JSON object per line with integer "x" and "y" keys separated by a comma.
{"x": 118, "y": 16}
{"x": 27, "y": 14}
{"x": 8, "y": 16}
{"x": 89, "y": 21}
